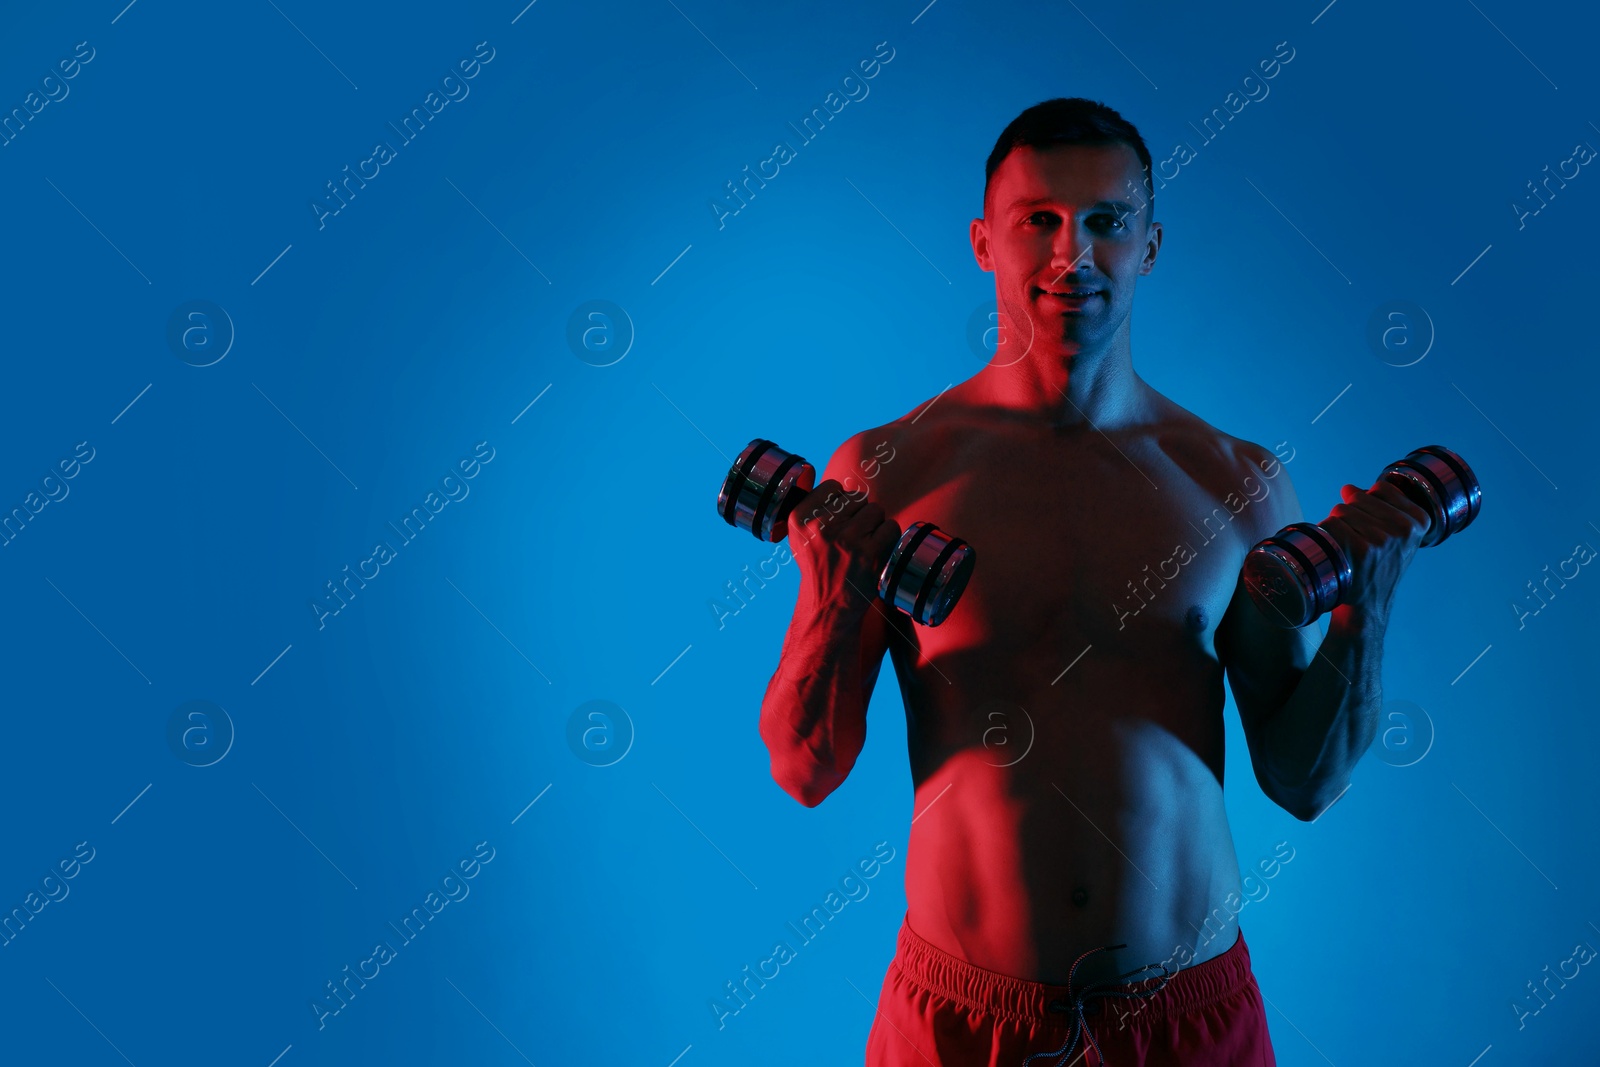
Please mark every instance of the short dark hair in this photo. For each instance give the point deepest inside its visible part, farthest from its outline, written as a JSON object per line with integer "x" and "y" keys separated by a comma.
{"x": 1065, "y": 121}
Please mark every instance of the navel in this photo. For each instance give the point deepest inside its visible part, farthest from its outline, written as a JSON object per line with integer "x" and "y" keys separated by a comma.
{"x": 1080, "y": 896}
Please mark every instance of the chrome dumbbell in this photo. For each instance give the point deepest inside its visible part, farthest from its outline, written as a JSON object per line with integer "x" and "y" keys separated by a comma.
{"x": 926, "y": 572}
{"x": 1300, "y": 572}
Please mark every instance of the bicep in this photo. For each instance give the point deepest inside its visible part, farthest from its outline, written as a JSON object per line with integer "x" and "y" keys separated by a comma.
{"x": 1263, "y": 660}
{"x": 849, "y": 466}
{"x": 876, "y": 633}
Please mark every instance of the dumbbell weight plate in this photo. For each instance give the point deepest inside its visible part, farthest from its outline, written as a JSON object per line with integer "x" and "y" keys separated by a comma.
{"x": 1441, "y": 483}
{"x": 761, "y": 489}
{"x": 1297, "y": 574}
{"x": 926, "y": 573}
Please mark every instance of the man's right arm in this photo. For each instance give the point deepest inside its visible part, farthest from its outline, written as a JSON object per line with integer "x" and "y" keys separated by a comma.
{"x": 814, "y": 713}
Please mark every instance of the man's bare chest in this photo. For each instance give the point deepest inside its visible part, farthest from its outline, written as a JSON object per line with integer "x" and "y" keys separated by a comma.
{"x": 1117, "y": 542}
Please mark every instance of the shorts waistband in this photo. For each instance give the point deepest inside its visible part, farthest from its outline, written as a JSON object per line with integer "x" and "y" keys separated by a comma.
{"x": 1187, "y": 990}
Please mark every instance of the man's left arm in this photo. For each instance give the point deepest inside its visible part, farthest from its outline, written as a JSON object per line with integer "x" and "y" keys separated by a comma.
{"x": 1310, "y": 710}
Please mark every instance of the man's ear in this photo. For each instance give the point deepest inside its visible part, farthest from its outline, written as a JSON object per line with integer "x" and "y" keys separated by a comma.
{"x": 1152, "y": 246}
{"x": 979, "y": 234}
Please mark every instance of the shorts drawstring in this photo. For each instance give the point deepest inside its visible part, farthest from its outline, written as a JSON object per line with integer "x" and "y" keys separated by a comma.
{"x": 1099, "y": 989}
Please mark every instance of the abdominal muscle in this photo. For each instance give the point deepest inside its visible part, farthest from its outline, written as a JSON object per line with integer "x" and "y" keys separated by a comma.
{"x": 1110, "y": 830}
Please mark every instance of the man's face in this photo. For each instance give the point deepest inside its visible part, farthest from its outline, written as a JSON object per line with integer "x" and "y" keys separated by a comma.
{"x": 1062, "y": 220}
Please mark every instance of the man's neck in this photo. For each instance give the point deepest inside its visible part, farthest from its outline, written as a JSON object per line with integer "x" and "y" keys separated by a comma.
{"x": 1067, "y": 391}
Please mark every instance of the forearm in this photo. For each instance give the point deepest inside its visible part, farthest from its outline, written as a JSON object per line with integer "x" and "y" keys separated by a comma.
{"x": 814, "y": 716}
{"x": 1328, "y": 722}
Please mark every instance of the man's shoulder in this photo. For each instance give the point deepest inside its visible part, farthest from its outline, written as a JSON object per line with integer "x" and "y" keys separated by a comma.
{"x": 900, "y": 432}
{"x": 1244, "y": 470}
{"x": 869, "y": 456}
{"x": 864, "y": 443}
{"x": 1236, "y": 455}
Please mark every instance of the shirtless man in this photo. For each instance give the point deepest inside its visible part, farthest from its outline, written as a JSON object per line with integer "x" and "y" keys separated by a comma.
{"x": 1105, "y": 609}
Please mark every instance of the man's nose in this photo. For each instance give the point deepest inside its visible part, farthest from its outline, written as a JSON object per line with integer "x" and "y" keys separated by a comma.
{"x": 1073, "y": 247}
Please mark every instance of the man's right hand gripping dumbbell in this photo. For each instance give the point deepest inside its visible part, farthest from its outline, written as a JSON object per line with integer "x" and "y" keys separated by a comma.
{"x": 850, "y": 543}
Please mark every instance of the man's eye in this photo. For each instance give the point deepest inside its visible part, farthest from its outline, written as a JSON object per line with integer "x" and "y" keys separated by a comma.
{"x": 1115, "y": 221}
{"x": 1040, "y": 216}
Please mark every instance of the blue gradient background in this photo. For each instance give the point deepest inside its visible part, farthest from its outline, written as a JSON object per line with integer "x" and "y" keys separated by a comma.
{"x": 430, "y": 712}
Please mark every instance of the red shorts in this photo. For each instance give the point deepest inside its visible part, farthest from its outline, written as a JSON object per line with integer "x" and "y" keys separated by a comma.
{"x": 936, "y": 1010}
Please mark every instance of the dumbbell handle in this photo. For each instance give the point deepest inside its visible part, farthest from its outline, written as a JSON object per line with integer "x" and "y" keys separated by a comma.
{"x": 792, "y": 502}
{"x": 1301, "y": 572}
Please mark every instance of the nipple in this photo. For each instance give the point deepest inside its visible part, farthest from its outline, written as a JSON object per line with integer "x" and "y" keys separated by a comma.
{"x": 1195, "y": 618}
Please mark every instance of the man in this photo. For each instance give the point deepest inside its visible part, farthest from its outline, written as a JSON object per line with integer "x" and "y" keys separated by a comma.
{"x": 1103, "y": 615}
